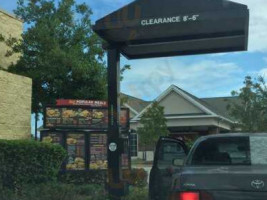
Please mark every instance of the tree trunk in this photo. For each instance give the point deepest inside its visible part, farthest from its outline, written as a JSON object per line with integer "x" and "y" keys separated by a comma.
{"x": 145, "y": 153}
{"x": 35, "y": 130}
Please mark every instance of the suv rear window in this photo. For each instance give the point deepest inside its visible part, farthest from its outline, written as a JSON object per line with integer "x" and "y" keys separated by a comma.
{"x": 231, "y": 151}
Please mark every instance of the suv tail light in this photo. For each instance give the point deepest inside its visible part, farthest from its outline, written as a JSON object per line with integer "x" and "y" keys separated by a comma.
{"x": 189, "y": 196}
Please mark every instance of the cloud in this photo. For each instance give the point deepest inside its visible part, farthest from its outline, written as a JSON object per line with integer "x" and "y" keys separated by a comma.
{"x": 205, "y": 78}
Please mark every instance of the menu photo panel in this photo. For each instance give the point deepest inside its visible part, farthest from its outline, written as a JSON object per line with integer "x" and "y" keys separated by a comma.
{"x": 53, "y": 117}
{"x": 52, "y": 137}
{"x": 76, "y": 151}
{"x": 81, "y": 118}
{"x": 98, "y": 151}
{"x": 76, "y": 118}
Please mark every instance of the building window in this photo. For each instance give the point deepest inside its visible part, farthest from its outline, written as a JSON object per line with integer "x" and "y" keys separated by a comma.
{"x": 133, "y": 145}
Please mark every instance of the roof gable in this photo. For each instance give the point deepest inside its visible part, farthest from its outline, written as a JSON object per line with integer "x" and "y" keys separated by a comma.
{"x": 220, "y": 105}
{"x": 175, "y": 94}
{"x": 176, "y": 104}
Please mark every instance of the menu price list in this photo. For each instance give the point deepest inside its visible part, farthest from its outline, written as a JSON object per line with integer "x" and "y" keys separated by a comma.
{"x": 84, "y": 118}
{"x": 54, "y": 138}
{"x": 76, "y": 152}
{"x": 76, "y": 118}
{"x": 98, "y": 151}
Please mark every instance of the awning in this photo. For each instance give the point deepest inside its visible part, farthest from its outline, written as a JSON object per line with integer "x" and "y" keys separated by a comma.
{"x": 157, "y": 28}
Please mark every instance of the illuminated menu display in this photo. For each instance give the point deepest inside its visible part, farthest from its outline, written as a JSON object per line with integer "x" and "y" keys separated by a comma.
{"x": 81, "y": 118}
{"x": 98, "y": 151}
{"x": 54, "y": 138}
{"x": 76, "y": 152}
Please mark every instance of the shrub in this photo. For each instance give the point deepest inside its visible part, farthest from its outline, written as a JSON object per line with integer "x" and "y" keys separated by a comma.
{"x": 135, "y": 177}
{"x": 23, "y": 162}
{"x": 6, "y": 194}
{"x": 83, "y": 177}
{"x": 137, "y": 193}
{"x": 56, "y": 191}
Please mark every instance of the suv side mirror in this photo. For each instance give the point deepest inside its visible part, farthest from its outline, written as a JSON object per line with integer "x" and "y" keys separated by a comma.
{"x": 178, "y": 162}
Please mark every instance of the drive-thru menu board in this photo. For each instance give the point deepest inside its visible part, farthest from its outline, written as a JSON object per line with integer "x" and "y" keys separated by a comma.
{"x": 98, "y": 151}
{"x": 81, "y": 118}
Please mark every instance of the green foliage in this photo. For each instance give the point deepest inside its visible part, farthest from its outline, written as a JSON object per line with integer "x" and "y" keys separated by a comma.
{"x": 135, "y": 177}
{"x": 24, "y": 162}
{"x": 137, "y": 193}
{"x": 56, "y": 191}
{"x": 123, "y": 69}
{"x": 153, "y": 125}
{"x": 190, "y": 142}
{"x": 251, "y": 112}
{"x": 60, "y": 52}
{"x": 83, "y": 177}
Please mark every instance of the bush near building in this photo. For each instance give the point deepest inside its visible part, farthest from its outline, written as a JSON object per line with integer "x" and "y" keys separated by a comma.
{"x": 30, "y": 170}
{"x": 28, "y": 162}
{"x": 83, "y": 177}
{"x": 56, "y": 191}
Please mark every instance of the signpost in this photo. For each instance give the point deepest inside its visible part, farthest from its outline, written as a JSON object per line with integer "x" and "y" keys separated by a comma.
{"x": 156, "y": 28}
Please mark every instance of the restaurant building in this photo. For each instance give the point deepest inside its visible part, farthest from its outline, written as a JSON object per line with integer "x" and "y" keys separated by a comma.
{"x": 187, "y": 116}
{"x": 15, "y": 91}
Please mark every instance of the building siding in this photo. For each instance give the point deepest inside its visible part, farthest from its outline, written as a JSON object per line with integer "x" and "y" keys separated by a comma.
{"x": 15, "y": 106}
{"x": 175, "y": 104}
{"x": 9, "y": 27}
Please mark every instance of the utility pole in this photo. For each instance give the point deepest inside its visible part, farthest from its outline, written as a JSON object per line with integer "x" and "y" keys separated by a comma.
{"x": 115, "y": 184}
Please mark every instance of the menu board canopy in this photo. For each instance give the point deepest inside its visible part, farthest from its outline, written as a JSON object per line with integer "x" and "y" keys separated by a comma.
{"x": 81, "y": 117}
{"x": 146, "y": 29}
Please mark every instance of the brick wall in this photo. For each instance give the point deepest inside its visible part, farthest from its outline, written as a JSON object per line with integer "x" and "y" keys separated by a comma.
{"x": 15, "y": 106}
{"x": 10, "y": 26}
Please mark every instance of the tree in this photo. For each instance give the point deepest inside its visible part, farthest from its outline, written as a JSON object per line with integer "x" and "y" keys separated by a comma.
{"x": 153, "y": 125}
{"x": 251, "y": 111}
{"x": 60, "y": 52}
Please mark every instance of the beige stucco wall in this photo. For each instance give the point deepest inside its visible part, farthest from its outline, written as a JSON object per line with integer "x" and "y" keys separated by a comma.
{"x": 15, "y": 106}
{"x": 9, "y": 27}
{"x": 176, "y": 104}
{"x": 191, "y": 122}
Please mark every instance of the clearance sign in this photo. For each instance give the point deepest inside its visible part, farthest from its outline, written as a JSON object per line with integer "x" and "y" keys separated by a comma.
{"x": 168, "y": 20}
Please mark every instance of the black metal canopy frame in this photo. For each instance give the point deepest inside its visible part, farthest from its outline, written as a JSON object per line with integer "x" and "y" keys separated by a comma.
{"x": 157, "y": 28}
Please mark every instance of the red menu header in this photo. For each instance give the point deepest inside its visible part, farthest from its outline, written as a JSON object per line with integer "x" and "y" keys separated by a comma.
{"x": 72, "y": 102}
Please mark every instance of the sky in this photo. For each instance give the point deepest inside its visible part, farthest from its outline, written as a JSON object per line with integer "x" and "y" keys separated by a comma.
{"x": 211, "y": 75}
